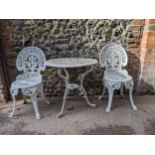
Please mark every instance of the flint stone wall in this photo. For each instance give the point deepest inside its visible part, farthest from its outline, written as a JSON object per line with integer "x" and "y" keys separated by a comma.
{"x": 74, "y": 38}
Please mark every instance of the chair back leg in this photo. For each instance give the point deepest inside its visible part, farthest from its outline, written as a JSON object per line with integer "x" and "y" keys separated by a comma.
{"x": 35, "y": 105}
{"x": 131, "y": 100}
{"x": 103, "y": 92}
{"x": 110, "y": 93}
{"x": 13, "y": 94}
{"x": 121, "y": 92}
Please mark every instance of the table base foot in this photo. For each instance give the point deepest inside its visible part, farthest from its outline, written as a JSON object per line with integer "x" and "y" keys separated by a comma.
{"x": 92, "y": 105}
{"x": 60, "y": 115}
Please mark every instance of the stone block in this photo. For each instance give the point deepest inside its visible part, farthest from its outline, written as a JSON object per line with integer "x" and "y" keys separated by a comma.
{"x": 133, "y": 28}
{"x": 149, "y": 27}
{"x": 139, "y": 22}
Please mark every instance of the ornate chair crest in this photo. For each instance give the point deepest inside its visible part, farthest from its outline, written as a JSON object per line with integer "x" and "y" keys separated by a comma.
{"x": 113, "y": 57}
{"x": 31, "y": 60}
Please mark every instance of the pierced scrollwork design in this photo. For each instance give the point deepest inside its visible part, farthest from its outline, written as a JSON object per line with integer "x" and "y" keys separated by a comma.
{"x": 31, "y": 60}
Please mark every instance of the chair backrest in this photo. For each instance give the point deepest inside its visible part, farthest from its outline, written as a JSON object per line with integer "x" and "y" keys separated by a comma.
{"x": 113, "y": 57}
{"x": 31, "y": 60}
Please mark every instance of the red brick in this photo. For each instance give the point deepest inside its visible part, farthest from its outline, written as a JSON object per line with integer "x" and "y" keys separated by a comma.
{"x": 149, "y": 34}
{"x": 147, "y": 21}
{"x": 148, "y": 45}
{"x": 148, "y": 39}
{"x": 150, "y": 21}
{"x": 5, "y": 30}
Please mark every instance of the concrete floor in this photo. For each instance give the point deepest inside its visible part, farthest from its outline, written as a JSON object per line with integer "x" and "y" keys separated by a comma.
{"x": 80, "y": 119}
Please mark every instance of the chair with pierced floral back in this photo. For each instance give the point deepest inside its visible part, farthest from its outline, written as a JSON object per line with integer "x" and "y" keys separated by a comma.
{"x": 31, "y": 61}
{"x": 113, "y": 58}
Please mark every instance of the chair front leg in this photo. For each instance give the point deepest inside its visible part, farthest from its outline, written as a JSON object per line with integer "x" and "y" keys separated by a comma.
{"x": 42, "y": 94}
{"x": 14, "y": 92}
{"x": 35, "y": 104}
{"x": 103, "y": 92}
{"x": 110, "y": 92}
{"x": 130, "y": 85}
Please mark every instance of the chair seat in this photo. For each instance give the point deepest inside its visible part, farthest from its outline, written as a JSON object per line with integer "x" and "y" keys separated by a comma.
{"x": 117, "y": 76}
{"x": 23, "y": 84}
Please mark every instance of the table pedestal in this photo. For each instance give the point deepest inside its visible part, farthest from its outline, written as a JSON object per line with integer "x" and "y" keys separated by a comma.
{"x": 71, "y": 86}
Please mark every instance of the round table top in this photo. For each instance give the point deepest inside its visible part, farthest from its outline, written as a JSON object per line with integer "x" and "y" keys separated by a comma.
{"x": 71, "y": 62}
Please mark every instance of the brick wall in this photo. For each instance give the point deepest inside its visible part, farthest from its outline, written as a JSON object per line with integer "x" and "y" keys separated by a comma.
{"x": 2, "y": 86}
{"x": 134, "y": 38}
{"x": 147, "y": 76}
{"x": 6, "y": 46}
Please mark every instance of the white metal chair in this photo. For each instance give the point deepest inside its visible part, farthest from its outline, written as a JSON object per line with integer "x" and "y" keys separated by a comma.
{"x": 31, "y": 60}
{"x": 113, "y": 58}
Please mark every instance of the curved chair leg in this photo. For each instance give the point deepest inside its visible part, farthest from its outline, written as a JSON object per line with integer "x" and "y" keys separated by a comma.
{"x": 35, "y": 105}
{"x": 42, "y": 94}
{"x": 24, "y": 96}
{"x": 121, "y": 92}
{"x": 13, "y": 94}
{"x": 103, "y": 92}
{"x": 131, "y": 100}
{"x": 64, "y": 103}
{"x": 110, "y": 92}
{"x": 25, "y": 99}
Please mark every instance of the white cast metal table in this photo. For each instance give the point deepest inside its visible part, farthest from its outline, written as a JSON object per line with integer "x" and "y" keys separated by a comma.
{"x": 63, "y": 64}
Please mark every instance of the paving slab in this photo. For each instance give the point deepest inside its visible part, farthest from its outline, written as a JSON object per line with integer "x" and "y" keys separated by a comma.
{"x": 80, "y": 119}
